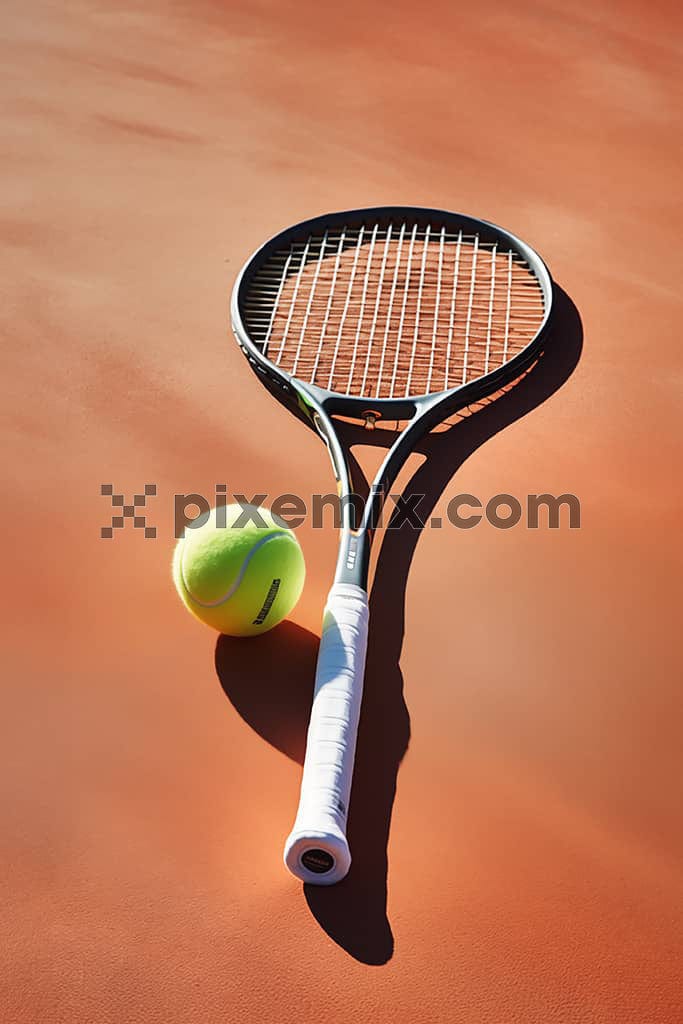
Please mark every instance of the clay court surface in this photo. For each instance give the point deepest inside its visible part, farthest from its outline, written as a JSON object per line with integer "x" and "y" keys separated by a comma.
{"x": 516, "y": 818}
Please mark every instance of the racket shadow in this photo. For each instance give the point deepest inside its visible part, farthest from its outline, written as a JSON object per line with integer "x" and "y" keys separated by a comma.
{"x": 354, "y": 912}
{"x": 269, "y": 683}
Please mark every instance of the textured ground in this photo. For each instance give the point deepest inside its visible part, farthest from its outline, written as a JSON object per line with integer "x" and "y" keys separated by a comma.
{"x": 532, "y": 873}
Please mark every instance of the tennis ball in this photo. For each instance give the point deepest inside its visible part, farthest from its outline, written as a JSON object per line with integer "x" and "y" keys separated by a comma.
{"x": 240, "y": 579}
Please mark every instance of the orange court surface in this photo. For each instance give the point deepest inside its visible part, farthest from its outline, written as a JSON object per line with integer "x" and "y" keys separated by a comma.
{"x": 516, "y": 814}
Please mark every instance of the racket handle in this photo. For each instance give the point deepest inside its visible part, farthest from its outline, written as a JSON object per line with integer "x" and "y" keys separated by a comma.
{"x": 317, "y": 850}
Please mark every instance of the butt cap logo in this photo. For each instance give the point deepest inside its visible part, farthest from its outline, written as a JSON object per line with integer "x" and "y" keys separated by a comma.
{"x": 317, "y": 861}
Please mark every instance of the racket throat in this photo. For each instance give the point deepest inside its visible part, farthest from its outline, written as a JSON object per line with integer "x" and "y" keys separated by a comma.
{"x": 353, "y": 563}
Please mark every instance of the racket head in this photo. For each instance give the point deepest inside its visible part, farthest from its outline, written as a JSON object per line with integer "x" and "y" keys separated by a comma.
{"x": 390, "y": 311}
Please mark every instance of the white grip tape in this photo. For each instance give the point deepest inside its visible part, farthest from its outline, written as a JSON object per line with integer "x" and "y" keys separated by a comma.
{"x": 317, "y": 850}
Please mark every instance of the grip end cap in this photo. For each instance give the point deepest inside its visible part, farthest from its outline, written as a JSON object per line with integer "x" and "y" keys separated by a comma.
{"x": 316, "y": 857}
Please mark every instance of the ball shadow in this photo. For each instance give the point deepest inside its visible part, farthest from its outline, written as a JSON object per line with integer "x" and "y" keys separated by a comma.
{"x": 269, "y": 682}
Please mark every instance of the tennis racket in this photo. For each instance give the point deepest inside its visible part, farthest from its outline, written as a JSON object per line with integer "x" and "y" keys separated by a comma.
{"x": 400, "y": 314}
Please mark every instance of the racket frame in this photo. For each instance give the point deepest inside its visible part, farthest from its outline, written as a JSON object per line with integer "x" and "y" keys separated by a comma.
{"x": 317, "y": 406}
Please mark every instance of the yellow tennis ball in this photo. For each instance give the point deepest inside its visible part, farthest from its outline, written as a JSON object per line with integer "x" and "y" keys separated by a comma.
{"x": 240, "y": 577}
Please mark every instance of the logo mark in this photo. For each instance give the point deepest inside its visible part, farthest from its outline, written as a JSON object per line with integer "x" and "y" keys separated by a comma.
{"x": 317, "y": 861}
{"x": 268, "y": 603}
{"x": 126, "y": 511}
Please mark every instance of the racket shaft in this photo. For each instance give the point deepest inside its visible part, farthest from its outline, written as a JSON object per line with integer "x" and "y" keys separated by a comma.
{"x": 317, "y": 850}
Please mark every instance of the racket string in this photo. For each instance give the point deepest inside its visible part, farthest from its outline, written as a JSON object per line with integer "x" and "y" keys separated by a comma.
{"x": 393, "y": 311}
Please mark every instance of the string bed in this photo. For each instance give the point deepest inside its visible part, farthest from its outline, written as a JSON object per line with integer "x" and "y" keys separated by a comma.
{"x": 392, "y": 311}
